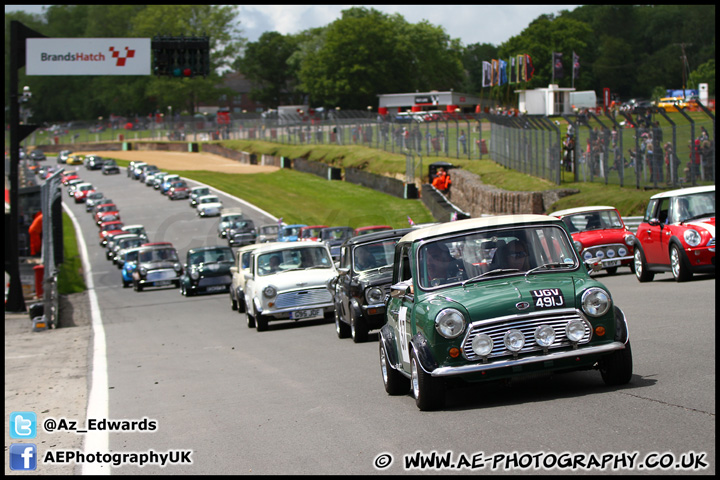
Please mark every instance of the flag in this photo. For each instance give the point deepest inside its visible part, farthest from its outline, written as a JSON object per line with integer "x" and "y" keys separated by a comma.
{"x": 495, "y": 73}
{"x": 557, "y": 65}
{"x": 453, "y": 217}
{"x": 576, "y": 66}
{"x": 511, "y": 73}
{"x": 280, "y": 221}
{"x": 486, "y": 74}
{"x": 410, "y": 221}
{"x": 521, "y": 69}
{"x": 503, "y": 72}
{"x": 529, "y": 69}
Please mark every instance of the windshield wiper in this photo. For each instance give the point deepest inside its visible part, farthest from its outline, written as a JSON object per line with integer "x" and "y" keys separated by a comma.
{"x": 549, "y": 265}
{"x": 493, "y": 272}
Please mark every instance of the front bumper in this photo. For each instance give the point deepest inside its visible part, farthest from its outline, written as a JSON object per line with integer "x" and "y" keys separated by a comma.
{"x": 579, "y": 354}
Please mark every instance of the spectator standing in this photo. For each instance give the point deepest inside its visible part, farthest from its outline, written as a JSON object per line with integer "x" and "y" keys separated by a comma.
{"x": 463, "y": 141}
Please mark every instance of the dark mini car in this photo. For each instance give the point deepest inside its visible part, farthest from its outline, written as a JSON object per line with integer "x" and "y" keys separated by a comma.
{"x": 677, "y": 234}
{"x": 531, "y": 310}
{"x": 94, "y": 162}
{"x": 268, "y": 233}
{"x": 241, "y": 232}
{"x": 363, "y": 281}
{"x": 158, "y": 265}
{"x": 207, "y": 270}
{"x": 110, "y": 167}
{"x": 37, "y": 155}
{"x": 334, "y": 238}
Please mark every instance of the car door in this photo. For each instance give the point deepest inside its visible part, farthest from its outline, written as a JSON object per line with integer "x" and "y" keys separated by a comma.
{"x": 401, "y": 304}
{"x": 654, "y": 239}
{"x": 343, "y": 285}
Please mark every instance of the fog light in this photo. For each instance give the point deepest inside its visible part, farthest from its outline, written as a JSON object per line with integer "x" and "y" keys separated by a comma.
{"x": 454, "y": 352}
{"x": 599, "y": 330}
{"x": 514, "y": 340}
{"x": 575, "y": 330}
{"x": 544, "y": 335}
{"x": 482, "y": 345}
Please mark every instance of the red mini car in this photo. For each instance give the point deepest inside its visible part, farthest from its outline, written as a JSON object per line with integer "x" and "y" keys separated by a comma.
{"x": 677, "y": 234}
{"x": 311, "y": 233}
{"x": 109, "y": 228}
{"x": 600, "y": 236}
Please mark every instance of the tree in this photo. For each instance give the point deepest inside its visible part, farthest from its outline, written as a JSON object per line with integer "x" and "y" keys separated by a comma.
{"x": 266, "y": 63}
{"x": 705, "y": 73}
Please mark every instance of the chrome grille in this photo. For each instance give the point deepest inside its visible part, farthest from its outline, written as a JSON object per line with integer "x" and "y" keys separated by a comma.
{"x": 303, "y": 298}
{"x": 162, "y": 274}
{"x": 527, "y": 324}
{"x": 221, "y": 280}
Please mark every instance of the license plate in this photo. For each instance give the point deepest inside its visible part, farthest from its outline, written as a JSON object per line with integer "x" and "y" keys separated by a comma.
{"x": 162, "y": 283}
{"x": 315, "y": 312}
{"x": 216, "y": 288}
{"x": 611, "y": 263}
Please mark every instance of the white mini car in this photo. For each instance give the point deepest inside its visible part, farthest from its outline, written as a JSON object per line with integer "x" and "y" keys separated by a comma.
{"x": 288, "y": 281}
{"x": 209, "y": 205}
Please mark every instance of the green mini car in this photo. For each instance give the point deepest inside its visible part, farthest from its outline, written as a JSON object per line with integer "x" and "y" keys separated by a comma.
{"x": 495, "y": 298}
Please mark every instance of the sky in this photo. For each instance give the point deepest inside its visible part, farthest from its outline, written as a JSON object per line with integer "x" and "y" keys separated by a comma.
{"x": 493, "y": 24}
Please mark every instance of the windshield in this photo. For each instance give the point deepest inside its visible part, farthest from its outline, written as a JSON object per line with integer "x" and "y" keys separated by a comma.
{"x": 688, "y": 207}
{"x": 374, "y": 255}
{"x": 223, "y": 254}
{"x": 293, "y": 259}
{"x": 599, "y": 220}
{"x": 338, "y": 234}
{"x": 269, "y": 229}
{"x": 291, "y": 231}
{"x": 311, "y": 233}
{"x": 209, "y": 200}
{"x": 158, "y": 255}
{"x": 483, "y": 255}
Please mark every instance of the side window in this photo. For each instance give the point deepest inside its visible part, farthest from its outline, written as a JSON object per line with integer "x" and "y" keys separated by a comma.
{"x": 663, "y": 212}
{"x": 404, "y": 271}
{"x": 344, "y": 257}
{"x": 650, "y": 211}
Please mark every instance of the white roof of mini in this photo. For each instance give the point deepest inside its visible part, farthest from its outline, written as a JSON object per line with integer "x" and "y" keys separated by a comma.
{"x": 685, "y": 191}
{"x": 474, "y": 223}
{"x": 571, "y": 211}
{"x": 275, "y": 246}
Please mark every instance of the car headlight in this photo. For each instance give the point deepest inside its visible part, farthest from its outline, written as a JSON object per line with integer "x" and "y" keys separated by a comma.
{"x": 595, "y": 302}
{"x": 514, "y": 340}
{"x": 544, "y": 335}
{"x": 578, "y": 246}
{"x": 692, "y": 237}
{"x": 194, "y": 274}
{"x": 142, "y": 271}
{"x": 177, "y": 267}
{"x": 374, "y": 295}
{"x": 575, "y": 330}
{"x": 482, "y": 345}
{"x": 630, "y": 240}
{"x": 449, "y": 323}
{"x": 270, "y": 291}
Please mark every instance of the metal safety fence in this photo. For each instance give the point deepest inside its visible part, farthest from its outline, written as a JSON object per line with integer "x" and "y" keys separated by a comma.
{"x": 653, "y": 149}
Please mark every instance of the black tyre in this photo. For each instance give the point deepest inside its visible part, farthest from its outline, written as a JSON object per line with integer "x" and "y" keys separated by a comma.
{"x": 680, "y": 269}
{"x": 617, "y": 368}
{"x": 641, "y": 272}
{"x": 233, "y": 302}
{"x": 429, "y": 392}
{"x": 261, "y": 323}
{"x": 611, "y": 270}
{"x": 395, "y": 382}
{"x": 341, "y": 328}
{"x": 358, "y": 328}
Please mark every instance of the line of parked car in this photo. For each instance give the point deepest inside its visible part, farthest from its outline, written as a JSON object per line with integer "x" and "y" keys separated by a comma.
{"x": 474, "y": 300}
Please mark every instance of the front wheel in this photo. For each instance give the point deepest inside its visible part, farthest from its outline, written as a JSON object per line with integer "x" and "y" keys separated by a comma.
{"x": 358, "y": 329}
{"x": 641, "y": 272}
{"x": 429, "y": 392}
{"x": 341, "y": 328}
{"x": 617, "y": 368}
{"x": 395, "y": 382}
{"x": 680, "y": 270}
